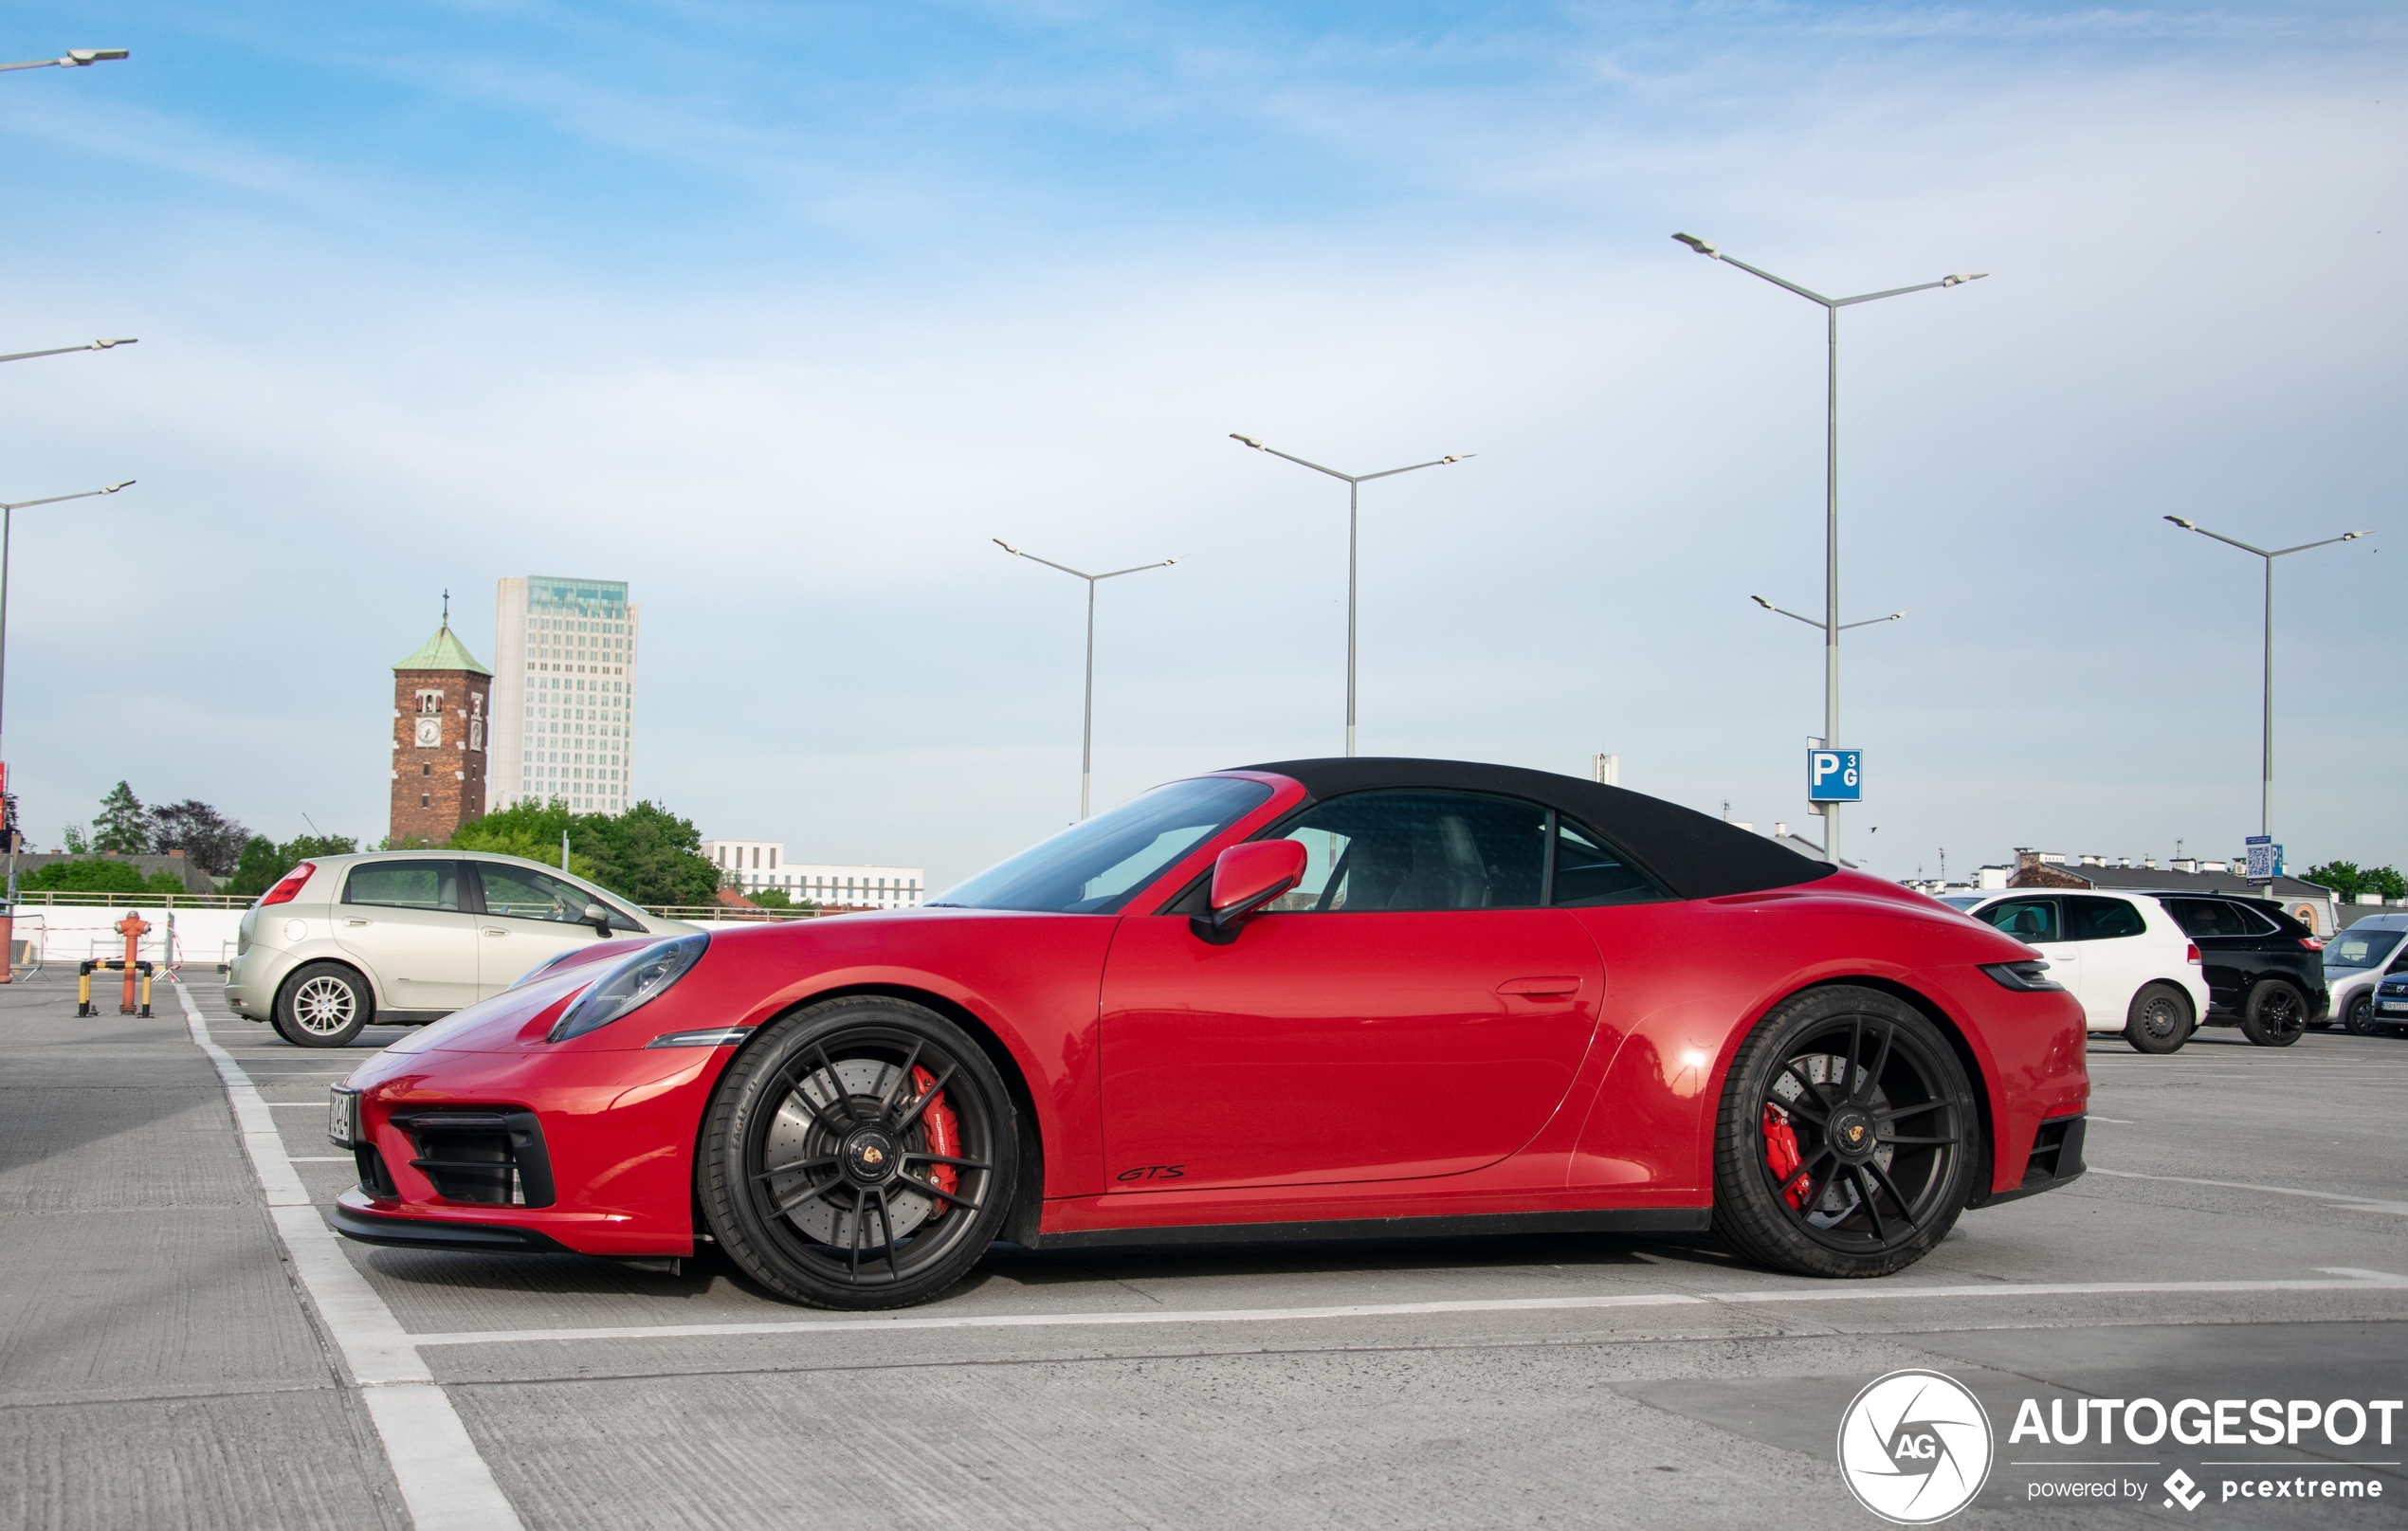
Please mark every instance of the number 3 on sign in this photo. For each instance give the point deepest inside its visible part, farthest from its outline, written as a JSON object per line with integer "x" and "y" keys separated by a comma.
{"x": 1834, "y": 776}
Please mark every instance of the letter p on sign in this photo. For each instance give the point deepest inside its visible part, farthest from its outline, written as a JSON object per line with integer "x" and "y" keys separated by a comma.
{"x": 1834, "y": 776}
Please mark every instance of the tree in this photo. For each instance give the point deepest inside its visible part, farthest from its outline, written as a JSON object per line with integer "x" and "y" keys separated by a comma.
{"x": 2385, "y": 881}
{"x": 124, "y": 823}
{"x": 2343, "y": 877}
{"x": 645, "y": 855}
{"x": 208, "y": 839}
{"x": 263, "y": 862}
{"x": 95, "y": 876}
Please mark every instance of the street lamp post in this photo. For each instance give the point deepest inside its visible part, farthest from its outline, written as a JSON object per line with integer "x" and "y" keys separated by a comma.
{"x": 1831, "y": 623}
{"x": 1354, "y": 492}
{"x": 74, "y": 58}
{"x": 2266, "y": 718}
{"x": 1087, "y": 730}
{"x": 64, "y": 349}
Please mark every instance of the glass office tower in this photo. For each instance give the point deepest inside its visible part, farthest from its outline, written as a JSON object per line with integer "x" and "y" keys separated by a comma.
{"x": 563, "y": 694}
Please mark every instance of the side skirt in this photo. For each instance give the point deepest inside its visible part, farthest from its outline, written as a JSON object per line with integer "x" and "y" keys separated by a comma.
{"x": 1634, "y": 1220}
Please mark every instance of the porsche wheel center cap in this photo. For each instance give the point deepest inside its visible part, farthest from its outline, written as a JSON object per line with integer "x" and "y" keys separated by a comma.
{"x": 1853, "y": 1134}
{"x": 870, "y": 1155}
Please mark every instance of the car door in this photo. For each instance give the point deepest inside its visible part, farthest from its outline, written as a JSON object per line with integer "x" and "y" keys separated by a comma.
{"x": 2038, "y": 921}
{"x": 530, "y": 915}
{"x": 1410, "y": 1009}
{"x": 2118, "y": 954}
{"x": 403, "y": 922}
{"x": 2227, "y": 934}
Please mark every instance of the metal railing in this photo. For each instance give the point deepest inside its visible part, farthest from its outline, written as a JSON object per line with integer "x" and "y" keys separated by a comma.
{"x": 54, "y": 898}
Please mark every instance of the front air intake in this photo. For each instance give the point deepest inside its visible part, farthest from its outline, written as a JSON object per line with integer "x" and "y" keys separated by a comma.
{"x": 492, "y": 1157}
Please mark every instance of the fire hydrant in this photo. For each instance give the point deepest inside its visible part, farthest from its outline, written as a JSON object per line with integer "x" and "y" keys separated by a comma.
{"x": 132, "y": 927}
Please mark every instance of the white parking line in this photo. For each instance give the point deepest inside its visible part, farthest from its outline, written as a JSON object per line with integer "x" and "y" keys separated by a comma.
{"x": 2346, "y": 1280}
{"x": 2349, "y": 1203}
{"x": 445, "y": 1484}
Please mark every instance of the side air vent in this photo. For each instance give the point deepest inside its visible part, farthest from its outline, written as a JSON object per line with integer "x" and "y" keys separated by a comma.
{"x": 374, "y": 1177}
{"x": 495, "y": 1157}
{"x": 2057, "y": 1153}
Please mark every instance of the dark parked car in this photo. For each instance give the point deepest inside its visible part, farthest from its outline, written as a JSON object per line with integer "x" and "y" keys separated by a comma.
{"x": 2264, "y": 970}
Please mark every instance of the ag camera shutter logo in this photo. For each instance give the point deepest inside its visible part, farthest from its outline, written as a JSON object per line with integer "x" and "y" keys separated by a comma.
{"x": 1915, "y": 1447}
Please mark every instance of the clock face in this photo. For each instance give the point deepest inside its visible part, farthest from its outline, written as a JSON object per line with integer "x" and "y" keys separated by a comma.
{"x": 430, "y": 733}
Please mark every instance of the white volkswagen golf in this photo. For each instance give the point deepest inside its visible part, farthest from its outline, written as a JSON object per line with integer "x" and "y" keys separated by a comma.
{"x": 2132, "y": 967}
{"x": 410, "y": 936}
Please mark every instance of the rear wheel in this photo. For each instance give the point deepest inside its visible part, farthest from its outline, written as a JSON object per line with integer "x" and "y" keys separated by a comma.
{"x": 2276, "y": 1016}
{"x": 1847, "y": 1139}
{"x": 2159, "y": 1019}
{"x": 2359, "y": 1018}
{"x": 858, "y": 1155}
{"x": 324, "y": 1004}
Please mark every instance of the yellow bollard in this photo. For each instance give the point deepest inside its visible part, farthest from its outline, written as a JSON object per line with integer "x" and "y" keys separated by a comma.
{"x": 83, "y": 990}
{"x": 146, "y": 990}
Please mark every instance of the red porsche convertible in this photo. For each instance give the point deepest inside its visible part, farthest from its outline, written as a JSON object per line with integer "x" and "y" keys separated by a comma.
{"x": 1315, "y": 999}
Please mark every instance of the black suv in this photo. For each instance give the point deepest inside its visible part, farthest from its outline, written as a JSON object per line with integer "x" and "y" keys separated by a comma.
{"x": 2264, "y": 970}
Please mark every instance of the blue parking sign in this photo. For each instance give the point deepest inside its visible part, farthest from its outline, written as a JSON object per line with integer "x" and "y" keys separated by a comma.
{"x": 1834, "y": 776}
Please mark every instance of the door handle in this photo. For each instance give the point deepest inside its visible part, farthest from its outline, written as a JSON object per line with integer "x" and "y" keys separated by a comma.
{"x": 350, "y": 921}
{"x": 1535, "y": 986}
{"x": 490, "y": 931}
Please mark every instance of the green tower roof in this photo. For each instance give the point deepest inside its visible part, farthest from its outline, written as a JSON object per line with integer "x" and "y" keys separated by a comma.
{"x": 443, "y": 651}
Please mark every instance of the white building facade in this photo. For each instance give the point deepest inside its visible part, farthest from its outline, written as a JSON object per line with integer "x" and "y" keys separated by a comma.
{"x": 563, "y": 694}
{"x": 747, "y": 865}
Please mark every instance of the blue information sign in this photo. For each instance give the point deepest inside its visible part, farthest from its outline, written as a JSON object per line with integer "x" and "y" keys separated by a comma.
{"x": 2264, "y": 858}
{"x": 1834, "y": 776}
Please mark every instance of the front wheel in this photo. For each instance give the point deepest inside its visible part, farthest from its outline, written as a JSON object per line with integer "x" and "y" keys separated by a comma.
{"x": 2276, "y": 1016}
{"x": 1847, "y": 1140}
{"x": 2159, "y": 1019}
{"x": 2359, "y": 1018}
{"x": 324, "y": 1004}
{"x": 861, "y": 1153}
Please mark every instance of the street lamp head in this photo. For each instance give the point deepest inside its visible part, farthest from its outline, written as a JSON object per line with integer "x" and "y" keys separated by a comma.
{"x": 2352, "y": 537}
{"x": 1167, "y": 562}
{"x": 1248, "y": 440}
{"x": 2187, "y": 526}
{"x": 1458, "y": 457}
{"x": 79, "y": 57}
{"x": 104, "y": 345}
{"x": 1702, "y": 247}
{"x": 1006, "y": 546}
{"x": 1961, "y": 277}
{"x": 115, "y": 487}
{"x": 1765, "y": 604}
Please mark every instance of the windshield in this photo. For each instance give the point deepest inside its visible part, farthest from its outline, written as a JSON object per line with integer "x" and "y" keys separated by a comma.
{"x": 1962, "y": 901}
{"x": 1096, "y": 867}
{"x": 2360, "y": 948}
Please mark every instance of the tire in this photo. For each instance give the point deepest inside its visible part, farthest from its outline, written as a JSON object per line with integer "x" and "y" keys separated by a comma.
{"x": 2276, "y": 1015}
{"x": 825, "y": 1156}
{"x": 2159, "y": 1019}
{"x": 324, "y": 1004}
{"x": 2359, "y": 1018}
{"x": 1786, "y": 1194}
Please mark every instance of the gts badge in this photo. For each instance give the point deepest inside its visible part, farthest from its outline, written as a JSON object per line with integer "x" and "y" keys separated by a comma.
{"x": 1154, "y": 1171}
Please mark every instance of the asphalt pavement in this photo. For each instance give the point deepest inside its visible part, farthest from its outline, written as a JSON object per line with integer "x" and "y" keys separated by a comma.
{"x": 182, "y": 1342}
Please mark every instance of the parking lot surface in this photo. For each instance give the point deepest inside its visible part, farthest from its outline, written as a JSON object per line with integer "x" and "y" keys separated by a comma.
{"x": 182, "y": 1342}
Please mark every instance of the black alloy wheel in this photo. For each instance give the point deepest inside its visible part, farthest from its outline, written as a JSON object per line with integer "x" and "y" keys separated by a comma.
{"x": 2359, "y": 1018}
{"x": 1848, "y": 1137}
{"x": 2159, "y": 1019}
{"x": 859, "y": 1154}
{"x": 2276, "y": 1016}
{"x": 324, "y": 1004}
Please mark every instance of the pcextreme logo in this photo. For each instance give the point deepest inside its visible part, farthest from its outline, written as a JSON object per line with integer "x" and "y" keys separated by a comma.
{"x": 1915, "y": 1447}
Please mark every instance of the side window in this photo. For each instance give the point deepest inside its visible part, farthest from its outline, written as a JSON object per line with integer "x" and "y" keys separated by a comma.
{"x": 523, "y": 893}
{"x": 1588, "y": 873}
{"x": 2398, "y": 964}
{"x": 2101, "y": 920}
{"x": 1398, "y": 851}
{"x": 405, "y": 885}
{"x": 2026, "y": 919}
{"x": 2215, "y": 917}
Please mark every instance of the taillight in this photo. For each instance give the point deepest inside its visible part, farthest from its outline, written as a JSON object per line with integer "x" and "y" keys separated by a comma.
{"x": 2192, "y": 956}
{"x": 2312, "y": 943}
{"x": 285, "y": 891}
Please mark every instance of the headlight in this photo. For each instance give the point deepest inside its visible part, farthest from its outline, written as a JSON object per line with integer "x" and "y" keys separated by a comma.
{"x": 630, "y": 986}
{"x": 2029, "y": 977}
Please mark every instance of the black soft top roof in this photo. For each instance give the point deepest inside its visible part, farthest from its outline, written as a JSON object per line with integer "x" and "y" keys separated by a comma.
{"x": 1694, "y": 856}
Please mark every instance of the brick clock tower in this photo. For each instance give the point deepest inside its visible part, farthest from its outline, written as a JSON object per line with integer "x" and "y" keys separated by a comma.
{"x": 441, "y": 695}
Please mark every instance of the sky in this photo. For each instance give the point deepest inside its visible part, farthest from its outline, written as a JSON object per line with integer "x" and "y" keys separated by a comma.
{"x": 782, "y": 313}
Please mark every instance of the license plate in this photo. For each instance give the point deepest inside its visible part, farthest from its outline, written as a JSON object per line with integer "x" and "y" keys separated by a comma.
{"x": 2393, "y": 1004}
{"x": 343, "y": 1126}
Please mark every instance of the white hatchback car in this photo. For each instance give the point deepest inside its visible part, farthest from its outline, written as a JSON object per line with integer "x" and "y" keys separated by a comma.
{"x": 409, "y": 936}
{"x": 2122, "y": 955}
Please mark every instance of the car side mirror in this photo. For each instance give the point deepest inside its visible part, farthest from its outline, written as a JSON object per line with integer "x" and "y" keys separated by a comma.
{"x": 598, "y": 918}
{"x": 1244, "y": 878}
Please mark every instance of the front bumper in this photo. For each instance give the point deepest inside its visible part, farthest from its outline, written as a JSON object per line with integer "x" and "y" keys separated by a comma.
{"x": 2056, "y": 1159}
{"x": 251, "y": 978}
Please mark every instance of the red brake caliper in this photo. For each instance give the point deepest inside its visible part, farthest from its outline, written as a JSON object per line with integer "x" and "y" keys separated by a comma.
{"x": 1780, "y": 1152}
{"x": 944, "y": 1137}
